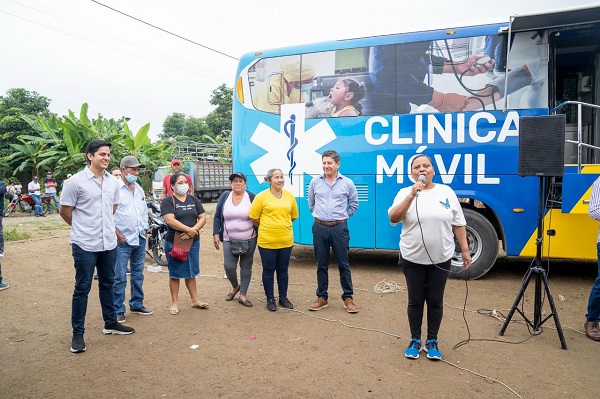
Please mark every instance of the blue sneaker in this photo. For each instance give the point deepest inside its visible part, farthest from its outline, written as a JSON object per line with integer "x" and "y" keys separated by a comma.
{"x": 431, "y": 347}
{"x": 413, "y": 349}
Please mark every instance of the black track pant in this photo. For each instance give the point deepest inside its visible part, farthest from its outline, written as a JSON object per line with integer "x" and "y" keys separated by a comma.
{"x": 425, "y": 283}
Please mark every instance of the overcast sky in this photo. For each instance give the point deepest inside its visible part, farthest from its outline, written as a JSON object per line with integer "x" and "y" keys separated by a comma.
{"x": 76, "y": 51}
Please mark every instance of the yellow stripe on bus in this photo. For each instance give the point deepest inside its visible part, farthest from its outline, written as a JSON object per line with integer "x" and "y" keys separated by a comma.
{"x": 575, "y": 238}
{"x": 580, "y": 207}
{"x": 591, "y": 169}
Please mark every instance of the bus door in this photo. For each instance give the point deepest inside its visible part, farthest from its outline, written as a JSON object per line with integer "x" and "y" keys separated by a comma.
{"x": 569, "y": 54}
{"x": 574, "y": 65}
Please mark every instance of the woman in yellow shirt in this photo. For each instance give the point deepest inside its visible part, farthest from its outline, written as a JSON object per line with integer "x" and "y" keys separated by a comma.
{"x": 273, "y": 211}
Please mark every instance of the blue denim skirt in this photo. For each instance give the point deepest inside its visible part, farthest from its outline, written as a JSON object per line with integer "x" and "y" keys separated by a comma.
{"x": 184, "y": 268}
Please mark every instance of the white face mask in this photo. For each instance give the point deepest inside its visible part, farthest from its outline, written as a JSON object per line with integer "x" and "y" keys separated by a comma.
{"x": 182, "y": 188}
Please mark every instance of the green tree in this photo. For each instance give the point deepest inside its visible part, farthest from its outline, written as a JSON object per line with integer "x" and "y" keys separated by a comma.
{"x": 178, "y": 126}
{"x": 219, "y": 120}
{"x": 14, "y": 105}
{"x": 59, "y": 143}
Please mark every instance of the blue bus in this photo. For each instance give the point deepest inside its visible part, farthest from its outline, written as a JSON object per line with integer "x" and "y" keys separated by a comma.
{"x": 455, "y": 94}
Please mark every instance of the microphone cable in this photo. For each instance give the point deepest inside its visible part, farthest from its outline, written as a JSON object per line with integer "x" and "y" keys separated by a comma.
{"x": 464, "y": 309}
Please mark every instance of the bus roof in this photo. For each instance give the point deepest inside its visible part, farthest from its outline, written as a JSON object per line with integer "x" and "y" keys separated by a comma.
{"x": 524, "y": 22}
{"x": 552, "y": 19}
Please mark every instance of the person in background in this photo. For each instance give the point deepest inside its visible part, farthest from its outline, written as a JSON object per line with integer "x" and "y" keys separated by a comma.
{"x": 50, "y": 189}
{"x": 64, "y": 183}
{"x": 175, "y": 168}
{"x": 273, "y": 211}
{"x": 131, "y": 222}
{"x": 10, "y": 189}
{"x": 593, "y": 310}
{"x": 18, "y": 187}
{"x": 3, "y": 193}
{"x": 431, "y": 216}
{"x": 11, "y": 193}
{"x": 33, "y": 188}
{"x": 116, "y": 172}
{"x": 87, "y": 204}
{"x": 231, "y": 221}
{"x": 332, "y": 199}
{"x": 183, "y": 213}
{"x": 3, "y": 285}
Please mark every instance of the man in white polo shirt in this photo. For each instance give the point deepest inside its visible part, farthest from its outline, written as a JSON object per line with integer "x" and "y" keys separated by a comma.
{"x": 87, "y": 204}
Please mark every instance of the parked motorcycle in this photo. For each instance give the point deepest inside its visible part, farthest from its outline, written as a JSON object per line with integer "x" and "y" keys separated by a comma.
{"x": 24, "y": 203}
{"x": 158, "y": 231}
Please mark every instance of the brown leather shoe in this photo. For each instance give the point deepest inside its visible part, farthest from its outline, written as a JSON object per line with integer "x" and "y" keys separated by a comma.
{"x": 350, "y": 306}
{"x": 591, "y": 330}
{"x": 319, "y": 304}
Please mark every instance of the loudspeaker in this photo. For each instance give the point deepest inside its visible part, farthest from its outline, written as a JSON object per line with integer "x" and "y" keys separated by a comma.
{"x": 542, "y": 145}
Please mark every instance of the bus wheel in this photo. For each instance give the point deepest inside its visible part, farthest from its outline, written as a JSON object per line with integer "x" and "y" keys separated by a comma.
{"x": 483, "y": 247}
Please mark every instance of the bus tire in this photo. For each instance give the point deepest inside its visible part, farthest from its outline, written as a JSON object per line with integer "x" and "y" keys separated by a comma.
{"x": 483, "y": 246}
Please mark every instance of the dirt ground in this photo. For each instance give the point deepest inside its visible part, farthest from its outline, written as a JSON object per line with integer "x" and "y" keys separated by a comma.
{"x": 254, "y": 353}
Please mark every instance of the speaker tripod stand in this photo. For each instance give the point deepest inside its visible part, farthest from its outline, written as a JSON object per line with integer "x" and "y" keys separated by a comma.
{"x": 537, "y": 271}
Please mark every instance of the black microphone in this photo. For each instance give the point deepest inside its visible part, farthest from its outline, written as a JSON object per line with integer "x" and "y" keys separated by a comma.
{"x": 422, "y": 180}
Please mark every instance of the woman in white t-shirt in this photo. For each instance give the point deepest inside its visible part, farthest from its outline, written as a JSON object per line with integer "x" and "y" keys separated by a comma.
{"x": 430, "y": 215}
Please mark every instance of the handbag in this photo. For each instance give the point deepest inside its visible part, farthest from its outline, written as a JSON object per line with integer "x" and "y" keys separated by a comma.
{"x": 181, "y": 247}
{"x": 240, "y": 247}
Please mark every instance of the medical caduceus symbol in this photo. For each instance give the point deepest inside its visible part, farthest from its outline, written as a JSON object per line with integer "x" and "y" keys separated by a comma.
{"x": 289, "y": 129}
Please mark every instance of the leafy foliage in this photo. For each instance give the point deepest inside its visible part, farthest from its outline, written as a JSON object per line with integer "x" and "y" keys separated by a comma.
{"x": 33, "y": 140}
{"x": 182, "y": 127}
{"x": 219, "y": 120}
{"x": 17, "y": 103}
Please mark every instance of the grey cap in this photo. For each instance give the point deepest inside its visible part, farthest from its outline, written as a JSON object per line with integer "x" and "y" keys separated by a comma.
{"x": 131, "y": 162}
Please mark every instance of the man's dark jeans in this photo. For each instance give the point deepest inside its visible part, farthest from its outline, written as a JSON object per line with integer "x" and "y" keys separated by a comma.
{"x": 85, "y": 261}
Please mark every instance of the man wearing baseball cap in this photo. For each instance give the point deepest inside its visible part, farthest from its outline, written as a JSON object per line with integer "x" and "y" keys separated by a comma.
{"x": 175, "y": 168}
{"x": 50, "y": 185}
{"x": 131, "y": 224}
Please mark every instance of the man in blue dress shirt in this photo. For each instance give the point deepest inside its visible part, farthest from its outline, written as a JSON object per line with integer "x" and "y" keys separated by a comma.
{"x": 332, "y": 199}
